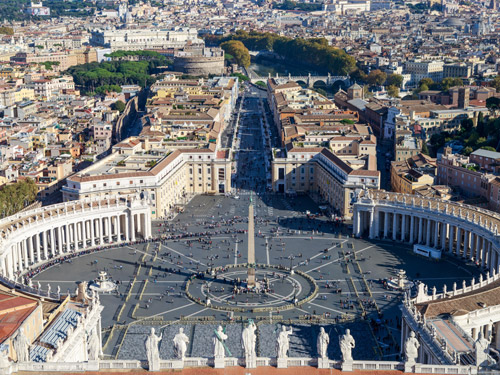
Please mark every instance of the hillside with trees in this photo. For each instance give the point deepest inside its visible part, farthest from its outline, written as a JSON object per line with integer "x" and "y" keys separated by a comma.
{"x": 15, "y": 197}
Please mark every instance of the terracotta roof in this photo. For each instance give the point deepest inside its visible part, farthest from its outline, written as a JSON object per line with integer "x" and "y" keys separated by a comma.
{"x": 363, "y": 172}
{"x": 464, "y": 303}
{"x": 13, "y": 312}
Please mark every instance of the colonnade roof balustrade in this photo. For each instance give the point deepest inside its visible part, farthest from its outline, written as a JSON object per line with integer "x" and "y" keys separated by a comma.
{"x": 476, "y": 215}
{"x": 33, "y": 217}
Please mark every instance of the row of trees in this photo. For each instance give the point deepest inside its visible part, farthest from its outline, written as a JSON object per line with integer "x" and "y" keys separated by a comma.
{"x": 93, "y": 75}
{"x": 15, "y": 197}
{"x": 16, "y": 9}
{"x": 314, "y": 53}
{"x": 292, "y": 5}
{"x": 149, "y": 55}
{"x": 447, "y": 83}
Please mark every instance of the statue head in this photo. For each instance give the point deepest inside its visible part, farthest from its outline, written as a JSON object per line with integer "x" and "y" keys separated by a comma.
{"x": 347, "y": 331}
{"x": 283, "y": 328}
{"x": 412, "y": 334}
{"x": 181, "y": 330}
{"x": 219, "y": 329}
{"x": 322, "y": 330}
{"x": 152, "y": 331}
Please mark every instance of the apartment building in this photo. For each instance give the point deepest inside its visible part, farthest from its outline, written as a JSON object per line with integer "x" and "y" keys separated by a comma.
{"x": 163, "y": 176}
{"x": 411, "y": 174}
{"x": 458, "y": 172}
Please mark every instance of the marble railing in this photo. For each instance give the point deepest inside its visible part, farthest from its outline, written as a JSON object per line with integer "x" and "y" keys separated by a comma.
{"x": 371, "y": 366}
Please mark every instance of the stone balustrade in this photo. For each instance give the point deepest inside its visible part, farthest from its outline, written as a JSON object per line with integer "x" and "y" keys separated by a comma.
{"x": 232, "y": 362}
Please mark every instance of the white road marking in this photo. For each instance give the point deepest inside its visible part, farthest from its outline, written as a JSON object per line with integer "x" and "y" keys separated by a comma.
{"x": 236, "y": 254}
{"x": 327, "y": 308}
{"x": 336, "y": 260}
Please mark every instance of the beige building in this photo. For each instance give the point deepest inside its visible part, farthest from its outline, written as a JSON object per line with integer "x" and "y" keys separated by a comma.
{"x": 317, "y": 170}
{"x": 165, "y": 177}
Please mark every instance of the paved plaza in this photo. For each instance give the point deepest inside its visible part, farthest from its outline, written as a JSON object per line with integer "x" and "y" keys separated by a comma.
{"x": 289, "y": 232}
{"x": 348, "y": 271}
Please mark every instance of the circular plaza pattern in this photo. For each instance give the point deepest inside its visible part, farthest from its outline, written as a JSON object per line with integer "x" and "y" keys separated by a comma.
{"x": 278, "y": 289}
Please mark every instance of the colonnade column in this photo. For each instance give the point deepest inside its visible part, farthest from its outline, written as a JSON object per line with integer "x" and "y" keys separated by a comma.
{"x": 394, "y": 226}
{"x": 110, "y": 237}
{"x": 403, "y": 227}
{"x": 420, "y": 233}
{"x": 436, "y": 234}
{"x": 443, "y": 235}
{"x": 458, "y": 241}
{"x": 428, "y": 234}
{"x": 118, "y": 229}
{"x": 386, "y": 223}
{"x": 45, "y": 236}
{"x": 29, "y": 242}
{"x": 37, "y": 248}
{"x": 451, "y": 238}
{"x": 479, "y": 245}
{"x": 132, "y": 226}
{"x": 466, "y": 243}
{"x": 412, "y": 224}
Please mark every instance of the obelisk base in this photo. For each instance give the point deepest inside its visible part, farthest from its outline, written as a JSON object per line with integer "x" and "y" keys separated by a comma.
{"x": 251, "y": 278}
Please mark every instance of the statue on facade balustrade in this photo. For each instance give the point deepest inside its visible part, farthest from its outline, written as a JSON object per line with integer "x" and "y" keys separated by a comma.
{"x": 180, "y": 344}
{"x": 94, "y": 348}
{"x": 218, "y": 340}
{"x": 152, "y": 351}
{"x": 481, "y": 349}
{"x": 322, "y": 343}
{"x": 248, "y": 339}
{"x": 21, "y": 346}
{"x": 283, "y": 343}
{"x": 347, "y": 343}
{"x": 411, "y": 348}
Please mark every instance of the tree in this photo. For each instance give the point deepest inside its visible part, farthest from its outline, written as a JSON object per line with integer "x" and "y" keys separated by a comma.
{"x": 449, "y": 82}
{"x": 425, "y": 149}
{"x": 5, "y": 30}
{"x": 238, "y": 50}
{"x": 376, "y": 77}
{"x": 118, "y": 106}
{"x": 393, "y": 91}
{"x": 422, "y": 87}
{"x": 488, "y": 148}
{"x": 495, "y": 83}
{"x": 395, "y": 80}
{"x": 426, "y": 81}
{"x": 467, "y": 151}
{"x": 493, "y": 103}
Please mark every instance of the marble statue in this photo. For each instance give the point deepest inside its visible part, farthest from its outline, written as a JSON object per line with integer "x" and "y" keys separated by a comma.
{"x": 21, "y": 346}
{"x": 347, "y": 343}
{"x": 152, "y": 351}
{"x": 411, "y": 348}
{"x": 49, "y": 289}
{"x": 93, "y": 345}
{"x": 322, "y": 343}
{"x": 58, "y": 290}
{"x": 180, "y": 344}
{"x": 283, "y": 343}
{"x": 248, "y": 340}
{"x": 481, "y": 347}
{"x": 218, "y": 340}
{"x": 4, "y": 359}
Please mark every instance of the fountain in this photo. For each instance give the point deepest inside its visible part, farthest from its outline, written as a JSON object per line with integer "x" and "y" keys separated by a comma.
{"x": 103, "y": 284}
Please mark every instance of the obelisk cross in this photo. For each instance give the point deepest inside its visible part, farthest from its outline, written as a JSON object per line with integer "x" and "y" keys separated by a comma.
{"x": 251, "y": 247}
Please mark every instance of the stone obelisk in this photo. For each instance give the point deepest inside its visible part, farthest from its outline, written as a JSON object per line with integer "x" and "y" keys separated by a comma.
{"x": 251, "y": 247}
